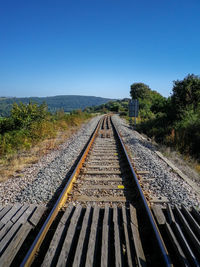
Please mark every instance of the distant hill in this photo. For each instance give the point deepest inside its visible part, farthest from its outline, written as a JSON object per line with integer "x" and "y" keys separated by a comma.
{"x": 65, "y": 102}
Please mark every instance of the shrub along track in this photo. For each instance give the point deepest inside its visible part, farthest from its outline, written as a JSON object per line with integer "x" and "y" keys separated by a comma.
{"x": 102, "y": 217}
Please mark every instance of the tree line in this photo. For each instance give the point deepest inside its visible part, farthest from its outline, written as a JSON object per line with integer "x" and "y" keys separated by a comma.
{"x": 67, "y": 103}
{"x": 175, "y": 120}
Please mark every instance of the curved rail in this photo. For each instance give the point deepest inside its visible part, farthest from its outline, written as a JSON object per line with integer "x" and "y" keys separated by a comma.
{"x": 58, "y": 205}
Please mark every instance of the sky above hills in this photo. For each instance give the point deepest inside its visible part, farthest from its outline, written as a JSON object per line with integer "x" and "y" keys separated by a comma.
{"x": 96, "y": 47}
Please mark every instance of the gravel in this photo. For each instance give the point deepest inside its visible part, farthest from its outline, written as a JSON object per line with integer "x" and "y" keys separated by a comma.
{"x": 38, "y": 183}
{"x": 161, "y": 180}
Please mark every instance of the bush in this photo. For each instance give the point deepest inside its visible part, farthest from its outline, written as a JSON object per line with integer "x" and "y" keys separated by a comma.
{"x": 187, "y": 133}
{"x": 123, "y": 113}
{"x": 6, "y": 125}
{"x": 23, "y": 115}
{"x": 29, "y": 124}
{"x": 13, "y": 141}
{"x": 174, "y": 121}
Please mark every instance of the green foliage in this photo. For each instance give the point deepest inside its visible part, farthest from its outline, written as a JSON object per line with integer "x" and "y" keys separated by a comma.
{"x": 114, "y": 106}
{"x": 156, "y": 127}
{"x": 6, "y": 124}
{"x": 150, "y": 102}
{"x": 186, "y": 93}
{"x": 118, "y": 106}
{"x": 23, "y": 115}
{"x": 158, "y": 103}
{"x": 188, "y": 131}
{"x": 31, "y": 123}
{"x": 139, "y": 90}
{"x": 185, "y": 102}
{"x": 14, "y": 141}
{"x": 174, "y": 121}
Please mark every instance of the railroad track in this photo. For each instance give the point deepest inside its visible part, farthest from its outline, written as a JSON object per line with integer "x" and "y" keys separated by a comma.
{"x": 102, "y": 218}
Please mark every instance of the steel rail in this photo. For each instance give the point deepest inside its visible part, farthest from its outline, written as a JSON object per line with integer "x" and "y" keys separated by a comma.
{"x": 159, "y": 239}
{"x": 27, "y": 261}
{"x": 63, "y": 197}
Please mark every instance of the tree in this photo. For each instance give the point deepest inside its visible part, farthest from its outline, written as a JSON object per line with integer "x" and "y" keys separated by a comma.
{"x": 186, "y": 93}
{"x": 158, "y": 102}
{"x": 139, "y": 90}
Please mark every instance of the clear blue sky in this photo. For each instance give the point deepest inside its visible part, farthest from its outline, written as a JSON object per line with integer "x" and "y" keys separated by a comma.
{"x": 96, "y": 47}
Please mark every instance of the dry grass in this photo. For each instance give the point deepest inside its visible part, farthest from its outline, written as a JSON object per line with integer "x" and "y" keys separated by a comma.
{"x": 197, "y": 167}
{"x": 12, "y": 166}
{"x": 189, "y": 166}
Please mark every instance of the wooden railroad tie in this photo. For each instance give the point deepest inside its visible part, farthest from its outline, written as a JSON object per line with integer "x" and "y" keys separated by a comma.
{"x": 103, "y": 179}
{"x": 85, "y": 198}
{"x": 16, "y": 223}
{"x": 105, "y": 187}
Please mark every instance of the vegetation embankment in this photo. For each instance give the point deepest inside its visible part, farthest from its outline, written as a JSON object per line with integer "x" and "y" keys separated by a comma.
{"x": 172, "y": 121}
{"x": 30, "y": 132}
